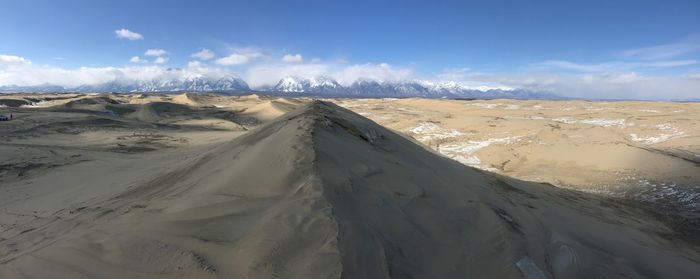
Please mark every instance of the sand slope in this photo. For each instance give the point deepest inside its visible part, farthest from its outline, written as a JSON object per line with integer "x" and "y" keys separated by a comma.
{"x": 322, "y": 192}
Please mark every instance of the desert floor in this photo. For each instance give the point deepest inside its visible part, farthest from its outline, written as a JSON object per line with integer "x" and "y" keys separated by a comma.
{"x": 114, "y": 185}
{"x": 646, "y": 151}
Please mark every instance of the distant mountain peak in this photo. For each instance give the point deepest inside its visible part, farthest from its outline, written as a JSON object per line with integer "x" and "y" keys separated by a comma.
{"x": 315, "y": 86}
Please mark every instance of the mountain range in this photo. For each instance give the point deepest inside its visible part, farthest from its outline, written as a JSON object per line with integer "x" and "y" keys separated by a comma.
{"x": 321, "y": 86}
{"x": 325, "y": 86}
{"x": 226, "y": 84}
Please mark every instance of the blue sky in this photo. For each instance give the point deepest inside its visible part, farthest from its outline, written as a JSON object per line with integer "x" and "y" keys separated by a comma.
{"x": 533, "y": 44}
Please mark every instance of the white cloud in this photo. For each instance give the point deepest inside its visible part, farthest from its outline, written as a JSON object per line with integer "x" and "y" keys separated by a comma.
{"x": 28, "y": 74}
{"x": 194, "y": 64}
{"x": 668, "y": 64}
{"x": 628, "y": 85}
{"x": 381, "y": 72}
{"x": 685, "y": 46}
{"x": 204, "y": 54}
{"x": 161, "y": 60}
{"x": 661, "y": 51}
{"x": 251, "y": 52}
{"x": 155, "y": 52}
{"x": 12, "y": 59}
{"x": 608, "y": 67}
{"x": 624, "y": 84}
{"x": 128, "y": 34}
{"x": 258, "y": 74}
{"x": 233, "y": 59}
{"x": 292, "y": 58}
{"x": 240, "y": 56}
{"x": 137, "y": 59}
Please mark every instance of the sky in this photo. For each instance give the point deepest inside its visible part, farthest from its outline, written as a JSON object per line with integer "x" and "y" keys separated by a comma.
{"x": 591, "y": 49}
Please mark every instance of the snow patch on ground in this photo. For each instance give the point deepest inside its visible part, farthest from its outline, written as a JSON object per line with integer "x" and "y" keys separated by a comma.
{"x": 594, "y": 108}
{"x": 429, "y": 131}
{"x": 533, "y": 117}
{"x": 605, "y": 122}
{"x": 484, "y": 105}
{"x": 43, "y": 104}
{"x": 655, "y": 192}
{"x": 668, "y": 132}
{"x": 494, "y": 106}
{"x": 424, "y": 127}
{"x": 463, "y": 152}
{"x": 565, "y": 120}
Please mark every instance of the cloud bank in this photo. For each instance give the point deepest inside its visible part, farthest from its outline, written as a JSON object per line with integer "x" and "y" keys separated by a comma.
{"x": 629, "y": 85}
{"x": 638, "y": 74}
{"x": 687, "y": 45}
{"x": 268, "y": 74}
{"x": 28, "y": 74}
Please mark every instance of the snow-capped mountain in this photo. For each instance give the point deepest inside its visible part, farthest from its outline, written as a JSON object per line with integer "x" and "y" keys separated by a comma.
{"x": 230, "y": 83}
{"x": 322, "y": 86}
{"x": 197, "y": 83}
{"x": 364, "y": 87}
{"x": 378, "y": 88}
{"x": 317, "y": 85}
{"x": 451, "y": 87}
{"x": 38, "y": 88}
{"x": 325, "y": 86}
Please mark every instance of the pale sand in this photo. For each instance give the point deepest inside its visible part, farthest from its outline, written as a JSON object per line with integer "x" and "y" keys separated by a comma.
{"x": 201, "y": 189}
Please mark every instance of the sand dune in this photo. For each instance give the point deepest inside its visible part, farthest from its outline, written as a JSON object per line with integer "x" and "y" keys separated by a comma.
{"x": 319, "y": 192}
{"x": 189, "y": 99}
{"x": 642, "y": 151}
{"x": 269, "y": 110}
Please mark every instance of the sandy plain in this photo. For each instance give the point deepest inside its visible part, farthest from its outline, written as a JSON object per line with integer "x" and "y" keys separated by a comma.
{"x": 144, "y": 186}
{"x": 646, "y": 151}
